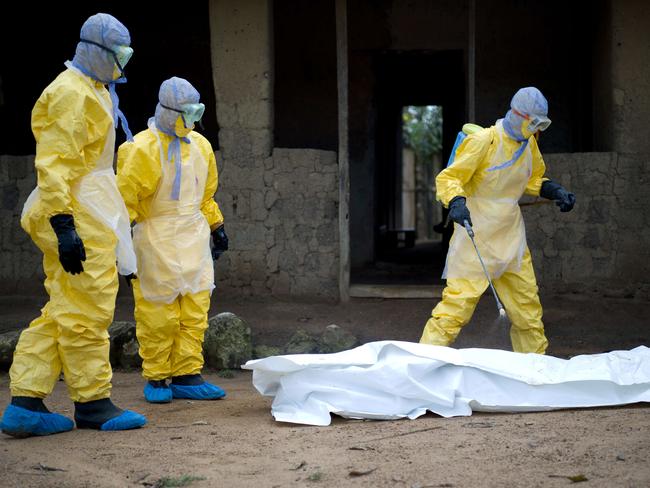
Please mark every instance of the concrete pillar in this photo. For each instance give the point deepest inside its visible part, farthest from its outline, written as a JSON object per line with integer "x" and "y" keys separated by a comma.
{"x": 622, "y": 77}
{"x": 241, "y": 37}
{"x": 343, "y": 153}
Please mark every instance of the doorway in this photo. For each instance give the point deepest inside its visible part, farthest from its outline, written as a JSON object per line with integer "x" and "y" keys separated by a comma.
{"x": 418, "y": 107}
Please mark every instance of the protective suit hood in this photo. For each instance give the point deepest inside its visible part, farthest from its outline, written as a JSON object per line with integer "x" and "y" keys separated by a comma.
{"x": 98, "y": 63}
{"x": 527, "y": 101}
{"x": 174, "y": 93}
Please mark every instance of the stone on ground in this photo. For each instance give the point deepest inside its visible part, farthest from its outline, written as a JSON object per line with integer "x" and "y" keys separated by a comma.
{"x": 228, "y": 342}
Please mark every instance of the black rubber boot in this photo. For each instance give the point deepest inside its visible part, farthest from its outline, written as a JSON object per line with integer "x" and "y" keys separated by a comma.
{"x": 30, "y": 403}
{"x": 94, "y": 414}
{"x": 188, "y": 380}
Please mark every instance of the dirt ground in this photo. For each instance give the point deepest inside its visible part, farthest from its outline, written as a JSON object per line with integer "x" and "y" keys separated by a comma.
{"x": 575, "y": 324}
{"x": 235, "y": 441}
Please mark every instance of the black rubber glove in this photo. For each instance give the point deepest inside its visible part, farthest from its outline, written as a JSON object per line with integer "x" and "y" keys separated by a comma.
{"x": 71, "y": 248}
{"x": 554, "y": 191}
{"x": 129, "y": 278}
{"x": 458, "y": 211}
{"x": 219, "y": 242}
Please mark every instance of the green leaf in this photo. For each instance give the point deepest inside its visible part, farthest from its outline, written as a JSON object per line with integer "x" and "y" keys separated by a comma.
{"x": 578, "y": 478}
{"x": 422, "y": 131}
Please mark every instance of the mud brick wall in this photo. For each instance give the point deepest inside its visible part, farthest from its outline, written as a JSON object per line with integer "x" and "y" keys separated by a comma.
{"x": 602, "y": 246}
{"x": 21, "y": 267}
{"x": 281, "y": 214}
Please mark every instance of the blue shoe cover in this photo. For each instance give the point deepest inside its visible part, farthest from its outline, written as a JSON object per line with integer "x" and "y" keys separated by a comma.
{"x": 20, "y": 422}
{"x": 157, "y": 395}
{"x": 205, "y": 391}
{"x": 125, "y": 421}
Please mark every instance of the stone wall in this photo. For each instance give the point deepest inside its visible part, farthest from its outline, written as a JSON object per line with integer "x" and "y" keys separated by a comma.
{"x": 280, "y": 205}
{"x": 21, "y": 267}
{"x": 281, "y": 214}
{"x": 601, "y": 246}
{"x": 242, "y": 64}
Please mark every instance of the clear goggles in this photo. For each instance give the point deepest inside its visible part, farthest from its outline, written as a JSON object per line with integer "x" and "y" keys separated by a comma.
{"x": 121, "y": 54}
{"x": 536, "y": 122}
{"x": 191, "y": 112}
{"x": 539, "y": 123}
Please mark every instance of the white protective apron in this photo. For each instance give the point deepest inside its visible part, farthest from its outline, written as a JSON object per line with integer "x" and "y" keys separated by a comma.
{"x": 98, "y": 193}
{"x": 173, "y": 243}
{"x": 498, "y": 225}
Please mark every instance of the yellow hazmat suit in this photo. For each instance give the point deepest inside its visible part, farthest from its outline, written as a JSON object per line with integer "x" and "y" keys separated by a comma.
{"x": 492, "y": 198}
{"x": 73, "y": 125}
{"x": 172, "y": 243}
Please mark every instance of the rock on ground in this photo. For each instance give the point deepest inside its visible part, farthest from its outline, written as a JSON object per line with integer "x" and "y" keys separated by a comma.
{"x": 336, "y": 339}
{"x": 301, "y": 342}
{"x": 228, "y": 342}
{"x": 124, "y": 345}
{"x": 8, "y": 342}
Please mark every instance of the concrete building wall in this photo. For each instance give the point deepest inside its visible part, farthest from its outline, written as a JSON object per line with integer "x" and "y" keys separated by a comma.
{"x": 622, "y": 74}
{"x": 283, "y": 226}
{"x": 280, "y": 205}
{"x": 282, "y": 216}
{"x": 242, "y": 64}
{"x": 601, "y": 246}
{"x": 507, "y": 58}
{"x": 21, "y": 267}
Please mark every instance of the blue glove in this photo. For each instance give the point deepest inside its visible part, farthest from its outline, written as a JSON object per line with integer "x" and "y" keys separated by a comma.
{"x": 458, "y": 211}
{"x": 554, "y": 191}
{"x": 71, "y": 248}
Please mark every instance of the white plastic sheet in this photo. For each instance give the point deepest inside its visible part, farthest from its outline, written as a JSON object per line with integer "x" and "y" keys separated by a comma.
{"x": 392, "y": 380}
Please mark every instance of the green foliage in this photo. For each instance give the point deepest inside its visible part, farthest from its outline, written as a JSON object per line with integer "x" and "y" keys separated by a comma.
{"x": 184, "y": 480}
{"x": 578, "y": 478}
{"x": 423, "y": 131}
{"x": 317, "y": 476}
{"x": 226, "y": 373}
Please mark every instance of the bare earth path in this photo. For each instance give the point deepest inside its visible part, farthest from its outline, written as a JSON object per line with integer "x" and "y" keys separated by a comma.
{"x": 575, "y": 324}
{"x": 236, "y": 443}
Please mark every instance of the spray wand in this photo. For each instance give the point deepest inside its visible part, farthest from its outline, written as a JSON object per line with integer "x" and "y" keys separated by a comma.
{"x": 470, "y": 232}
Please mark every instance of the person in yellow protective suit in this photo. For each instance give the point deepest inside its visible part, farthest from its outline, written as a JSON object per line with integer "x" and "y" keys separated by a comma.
{"x": 493, "y": 168}
{"x": 77, "y": 218}
{"x": 168, "y": 178}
